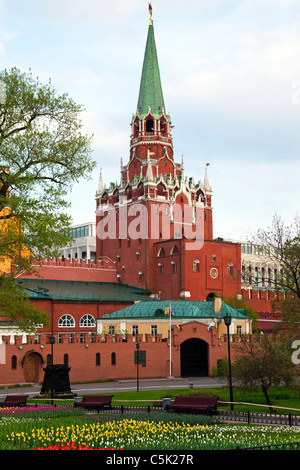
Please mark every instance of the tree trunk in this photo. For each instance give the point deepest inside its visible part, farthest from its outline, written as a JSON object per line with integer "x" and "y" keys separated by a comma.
{"x": 265, "y": 392}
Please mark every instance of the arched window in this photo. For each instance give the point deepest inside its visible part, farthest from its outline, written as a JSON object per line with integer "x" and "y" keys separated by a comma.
{"x": 230, "y": 269}
{"x": 138, "y": 256}
{"x": 161, "y": 252}
{"x": 149, "y": 125}
{"x": 200, "y": 196}
{"x": 174, "y": 266}
{"x": 14, "y": 362}
{"x": 87, "y": 321}
{"x": 98, "y": 359}
{"x": 136, "y": 128}
{"x": 140, "y": 276}
{"x": 174, "y": 250}
{"x": 128, "y": 192}
{"x": 163, "y": 127}
{"x": 113, "y": 359}
{"x": 196, "y": 266}
{"x": 66, "y": 321}
{"x": 66, "y": 359}
{"x": 161, "y": 268}
{"x": 104, "y": 198}
{"x": 161, "y": 190}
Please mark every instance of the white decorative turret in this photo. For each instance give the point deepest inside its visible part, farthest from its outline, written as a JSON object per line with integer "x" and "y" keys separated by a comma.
{"x": 206, "y": 185}
{"x": 149, "y": 174}
{"x": 100, "y": 185}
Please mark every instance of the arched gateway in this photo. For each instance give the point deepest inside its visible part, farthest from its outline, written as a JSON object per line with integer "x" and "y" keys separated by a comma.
{"x": 194, "y": 358}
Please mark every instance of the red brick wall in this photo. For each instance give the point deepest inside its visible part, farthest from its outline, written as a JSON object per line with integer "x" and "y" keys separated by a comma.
{"x": 82, "y": 356}
{"x": 77, "y": 270}
{"x": 261, "y": 302}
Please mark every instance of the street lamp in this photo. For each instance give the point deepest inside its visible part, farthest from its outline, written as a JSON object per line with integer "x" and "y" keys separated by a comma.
{"x": 137, "y": 345}
{"x": 227, "y": 321}
{"x": 52, "y": 341}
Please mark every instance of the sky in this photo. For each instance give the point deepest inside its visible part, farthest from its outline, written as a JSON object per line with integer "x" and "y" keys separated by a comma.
{"x": 230, "y": 72}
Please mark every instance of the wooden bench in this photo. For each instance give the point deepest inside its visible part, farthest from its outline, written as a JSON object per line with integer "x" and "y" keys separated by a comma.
{"x": 14, "y": 400}
{"x": 94, "y": 402}
{"x": 188, "y": 403}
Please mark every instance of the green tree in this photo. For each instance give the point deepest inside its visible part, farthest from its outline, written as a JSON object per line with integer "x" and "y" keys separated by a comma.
{"x": 264, "y": 360}
{"x": 239, "y": 303}
{"x": 43, "y": 152}
{"x": 17, "y": 309}
{"x": 283, "y": 247}
{"x": 290, "y": 316}
{"x": 283, "y": 243}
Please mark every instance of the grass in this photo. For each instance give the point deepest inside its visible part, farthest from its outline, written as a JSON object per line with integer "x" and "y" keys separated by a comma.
{"x": 280, "y": 396}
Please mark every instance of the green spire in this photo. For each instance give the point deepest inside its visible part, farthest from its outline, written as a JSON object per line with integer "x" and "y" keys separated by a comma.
{"x": 150, "y": 94}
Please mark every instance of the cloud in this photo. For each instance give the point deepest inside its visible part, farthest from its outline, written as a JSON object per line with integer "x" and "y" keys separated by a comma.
{"x": 231, "y": 79}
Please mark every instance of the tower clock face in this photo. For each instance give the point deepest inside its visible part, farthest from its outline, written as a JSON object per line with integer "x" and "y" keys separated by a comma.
{"x": 214, "y": 273}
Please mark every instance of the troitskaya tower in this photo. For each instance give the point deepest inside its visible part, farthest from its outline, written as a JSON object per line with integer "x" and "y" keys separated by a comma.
{"x": 152, "y": 179}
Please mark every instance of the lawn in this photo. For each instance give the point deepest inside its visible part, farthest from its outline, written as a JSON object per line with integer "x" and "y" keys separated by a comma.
{"x": 280, "y": 396}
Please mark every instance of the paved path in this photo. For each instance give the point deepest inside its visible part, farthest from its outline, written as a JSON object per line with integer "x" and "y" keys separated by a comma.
{"x": 123, "y": 385}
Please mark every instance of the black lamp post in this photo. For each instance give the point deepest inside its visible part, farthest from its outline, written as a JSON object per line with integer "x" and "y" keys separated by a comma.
{"x": 227, "y": 321}
{"x": 137, "y": 345}
{"x": 52, "y": 341}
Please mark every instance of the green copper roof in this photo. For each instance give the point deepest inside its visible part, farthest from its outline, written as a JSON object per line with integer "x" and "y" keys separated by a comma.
{"x": 150, "y": 94}
{"x": 82, "y": 291}
{"x": 180, "y": 309}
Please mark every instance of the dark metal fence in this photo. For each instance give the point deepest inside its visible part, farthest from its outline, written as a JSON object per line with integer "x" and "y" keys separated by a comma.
{"x": 259, "y": 418}
{"x": 222, "y": 415}
{"x": 136, "y": 409}
{"x": 285, "y": 446}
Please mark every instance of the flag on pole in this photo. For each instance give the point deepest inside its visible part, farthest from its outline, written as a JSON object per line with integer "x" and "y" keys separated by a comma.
{"x": 170, "y": 313}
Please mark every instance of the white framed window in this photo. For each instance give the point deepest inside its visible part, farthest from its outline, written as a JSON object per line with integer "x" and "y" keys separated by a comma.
{"x": 87, "y": 321}
{"x": 153, "y": 330}
{"x": 111, "y": 330}
{"x": 135, "y": 330}
{"x": 66, "y": 321}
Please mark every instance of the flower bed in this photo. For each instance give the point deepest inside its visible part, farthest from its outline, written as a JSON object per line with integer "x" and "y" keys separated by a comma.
{"x": 38, "y": 411}
{"x": 112, "y": 432}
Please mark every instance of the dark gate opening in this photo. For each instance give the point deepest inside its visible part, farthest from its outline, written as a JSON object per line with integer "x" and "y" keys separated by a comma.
{"x": 194, "y": 358}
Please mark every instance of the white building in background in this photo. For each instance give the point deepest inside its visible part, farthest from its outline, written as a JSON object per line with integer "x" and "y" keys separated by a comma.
{"x": 258, "y": 268}
{"x": 84, "y": 243}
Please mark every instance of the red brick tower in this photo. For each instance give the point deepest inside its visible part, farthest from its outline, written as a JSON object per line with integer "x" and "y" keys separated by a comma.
{"x": 155, "y": 205}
